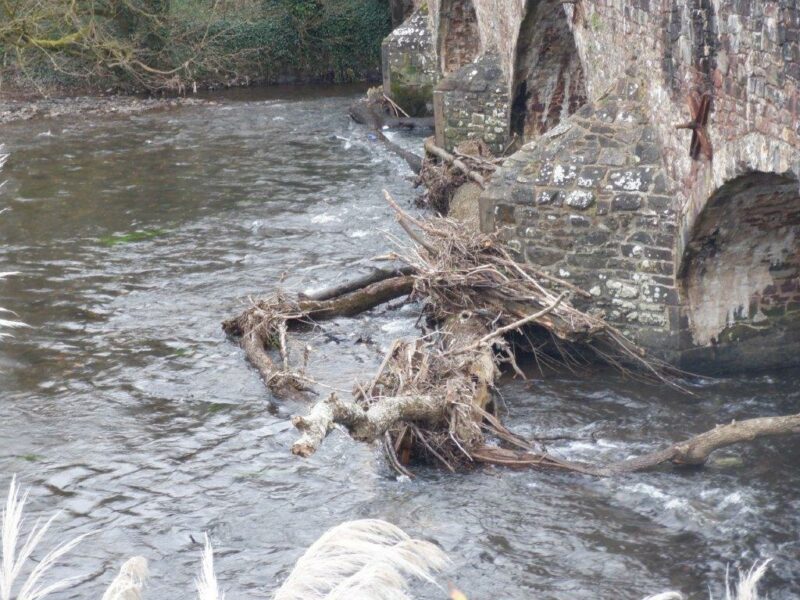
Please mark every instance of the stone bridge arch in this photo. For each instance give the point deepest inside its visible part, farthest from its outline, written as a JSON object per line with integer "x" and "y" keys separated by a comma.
{"x": 739, "y": 274}
{"x": 548, "y": 81}
{"x": 458, "y": 39}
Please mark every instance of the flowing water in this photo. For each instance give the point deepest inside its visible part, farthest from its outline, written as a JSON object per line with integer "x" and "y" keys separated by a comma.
{"x": 124, "y": 404}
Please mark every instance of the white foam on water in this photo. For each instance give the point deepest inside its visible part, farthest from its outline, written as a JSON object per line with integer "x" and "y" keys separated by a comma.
{"x": 395, "y": 326}
{"x": 324, "y": 218}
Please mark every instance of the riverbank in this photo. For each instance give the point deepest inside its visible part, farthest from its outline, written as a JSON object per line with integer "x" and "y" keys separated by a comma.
{"x": 182, "y": 46}
{"x": 24, "y": 109}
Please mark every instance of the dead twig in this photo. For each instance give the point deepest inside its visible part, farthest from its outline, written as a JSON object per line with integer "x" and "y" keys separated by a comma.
{"x": 395, "y": 106}
{"x": 518, "y": 324}
{"x": 432, "y": 148}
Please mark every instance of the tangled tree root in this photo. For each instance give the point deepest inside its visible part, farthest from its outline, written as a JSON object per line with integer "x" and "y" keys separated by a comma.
{"x": 431, "y": 398}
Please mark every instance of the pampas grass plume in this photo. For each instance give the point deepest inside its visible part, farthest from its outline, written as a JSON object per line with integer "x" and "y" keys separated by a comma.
{"x": 367, "y": 559}
{"x": 129, "y": 582}
{"x": 206, "y": 583}
{"x": 15, "y": 557}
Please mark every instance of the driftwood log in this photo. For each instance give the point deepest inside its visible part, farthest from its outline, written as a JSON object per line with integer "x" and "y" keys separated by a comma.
{"x": 696, "y": 450}
{"x": 354, "y": 285}
{"x": 432, "y": 398}
{"x": 432, "y": 148}
{"x": 264, "y": 325}
{"x": 692, "y": 452}
{"x": 371, "y": 113}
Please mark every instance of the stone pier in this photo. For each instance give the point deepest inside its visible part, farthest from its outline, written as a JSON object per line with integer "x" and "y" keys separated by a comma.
{"x": 656, "y": 162}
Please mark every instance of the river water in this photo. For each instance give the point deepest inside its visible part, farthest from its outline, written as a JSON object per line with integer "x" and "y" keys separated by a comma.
{"x": 124, "y": 404}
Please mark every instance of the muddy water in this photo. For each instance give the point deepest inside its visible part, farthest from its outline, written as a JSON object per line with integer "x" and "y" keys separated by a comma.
{"x": 125, "y": 406}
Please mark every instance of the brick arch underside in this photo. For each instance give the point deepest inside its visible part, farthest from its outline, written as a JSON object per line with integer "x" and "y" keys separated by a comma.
{"x": 459, "y": 39}
{"x": 739, "y": 273}
{"x": 549, "y": 82}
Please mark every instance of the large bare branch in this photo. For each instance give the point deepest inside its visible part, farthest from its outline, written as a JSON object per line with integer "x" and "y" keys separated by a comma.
{"x": 432, "y": 148}
{"x": 694, "y": 451}
{"x": 697, "y": 449}
{"x": 364, "y": 425}
{"x": 375, "y": 276}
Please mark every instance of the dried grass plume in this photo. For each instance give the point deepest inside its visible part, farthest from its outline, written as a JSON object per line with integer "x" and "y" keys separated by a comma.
{"x": 129, "y": 582}
{"x": 745, "y": 589}
{"x": 16, "y": 553}
{"x": 206, "y": 583}
{"x": 367, "y": 559}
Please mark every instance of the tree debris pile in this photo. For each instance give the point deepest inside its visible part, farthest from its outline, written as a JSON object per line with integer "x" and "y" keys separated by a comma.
{"x": 440, "y": 182}
{"x": 431, "y": 398}
{"x": 458, "y": 271}
{"x": 443, "y": 173}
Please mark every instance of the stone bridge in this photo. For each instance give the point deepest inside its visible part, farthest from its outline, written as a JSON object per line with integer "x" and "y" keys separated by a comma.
{"x": 656, "y": 155}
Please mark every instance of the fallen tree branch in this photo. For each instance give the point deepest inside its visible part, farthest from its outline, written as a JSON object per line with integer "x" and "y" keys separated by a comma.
{"x": 371, "y": 114}
{"x": 262, "y": 327}
{"x": 357, "y": 301}
{"x": 406, "y": 222}
{"x": 413, "y": 161}
{"x": 409, "y": 123}
{"x": 365, "y": 425}
{"x": 353, "y": 285}
{"x": 432, "y": 148}
{"x": 697, "y": 449}
{"x": 692, "y": 452}
{"x": 394, "y": 104}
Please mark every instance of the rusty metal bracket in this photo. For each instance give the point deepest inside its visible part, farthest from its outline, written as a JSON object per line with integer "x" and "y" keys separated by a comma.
{"x": 701, "y": 143}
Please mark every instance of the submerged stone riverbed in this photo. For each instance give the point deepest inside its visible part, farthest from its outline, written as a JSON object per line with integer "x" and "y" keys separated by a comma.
{"x": 125, "y": 405}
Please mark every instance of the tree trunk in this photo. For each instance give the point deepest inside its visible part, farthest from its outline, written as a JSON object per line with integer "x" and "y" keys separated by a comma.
{"x": 370, "y": 113}
{"x": 353, "y": 285}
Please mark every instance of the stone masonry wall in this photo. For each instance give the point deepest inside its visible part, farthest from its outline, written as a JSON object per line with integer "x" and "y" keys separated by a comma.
{"x": 589, "y": 201}
{"x": 473, "y": 103}
{"x": 497, "y": 24}
{"x": 745, "y": 55}
{"x": 548, "y": 82}
{"x": 410, "y": 71}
